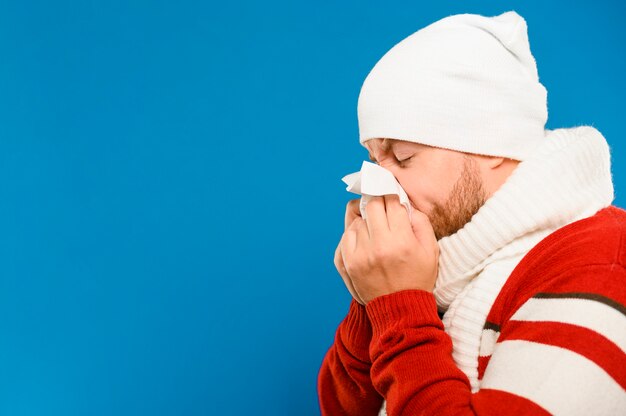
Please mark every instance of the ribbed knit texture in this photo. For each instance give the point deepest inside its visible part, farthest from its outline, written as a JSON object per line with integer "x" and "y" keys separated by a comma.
{"x": 465, "y": 82}
{"x": 384, "y": 311}
{"x": 352, "y": 340}
{"x": 554, "y": 341}
{"x": 566, "y": 179}
{"x": 352, "y": 333}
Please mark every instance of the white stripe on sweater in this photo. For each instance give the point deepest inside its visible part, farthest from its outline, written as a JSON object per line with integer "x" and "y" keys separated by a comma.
{"x": 559, "y": 380}
{"x": 590, "y": 314}
{"x": 564, "y": 181}
{"x": 488, "y": 342}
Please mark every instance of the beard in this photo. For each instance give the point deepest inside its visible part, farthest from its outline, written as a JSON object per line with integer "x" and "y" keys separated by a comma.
{"x": 467, "y": 196}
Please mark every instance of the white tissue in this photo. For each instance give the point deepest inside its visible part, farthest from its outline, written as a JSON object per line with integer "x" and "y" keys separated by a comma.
{"x": 374, "y": 180}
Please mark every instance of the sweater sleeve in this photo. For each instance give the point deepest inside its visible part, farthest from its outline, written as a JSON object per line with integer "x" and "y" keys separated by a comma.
{"x": 344, "y": 383}
{"x": 558, "y": 357}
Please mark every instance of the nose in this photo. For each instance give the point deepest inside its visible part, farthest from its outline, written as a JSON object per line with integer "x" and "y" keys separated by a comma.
{"x": 389, "y": 166}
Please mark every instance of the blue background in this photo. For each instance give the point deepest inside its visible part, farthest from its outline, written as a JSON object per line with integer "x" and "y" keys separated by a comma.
{"x": 171, "y": 194}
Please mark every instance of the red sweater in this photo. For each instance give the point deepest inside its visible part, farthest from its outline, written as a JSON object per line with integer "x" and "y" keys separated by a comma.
{"x": 558, "y": 331}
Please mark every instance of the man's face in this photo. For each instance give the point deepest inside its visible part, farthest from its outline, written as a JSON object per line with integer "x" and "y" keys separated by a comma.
{"x": 444, "y": 184}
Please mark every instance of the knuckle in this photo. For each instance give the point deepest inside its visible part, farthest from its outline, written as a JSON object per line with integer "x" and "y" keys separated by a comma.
{"x": 352, "y": 205}
{"x": 354, "y": 266}
{"x": 349, "y": 268}
{"x": 378, "y": 253}
{"x": 352, "y": 212}
{"x": 404, "y": 250}
{"x": 338, "y": 260}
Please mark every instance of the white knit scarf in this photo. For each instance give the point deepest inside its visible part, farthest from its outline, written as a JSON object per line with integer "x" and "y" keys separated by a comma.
{"x": 566, "y": 179}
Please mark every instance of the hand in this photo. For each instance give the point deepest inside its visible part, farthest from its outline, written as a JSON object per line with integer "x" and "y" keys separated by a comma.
{"x": 387, "y": 253}
{"x": 352, "y": 212}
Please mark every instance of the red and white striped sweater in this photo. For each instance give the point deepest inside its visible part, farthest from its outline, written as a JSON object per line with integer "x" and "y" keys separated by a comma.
{"x": 553, "y": 342}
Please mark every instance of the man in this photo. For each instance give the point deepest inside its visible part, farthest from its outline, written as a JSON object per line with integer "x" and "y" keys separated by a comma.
{"x": 506, "y": 293}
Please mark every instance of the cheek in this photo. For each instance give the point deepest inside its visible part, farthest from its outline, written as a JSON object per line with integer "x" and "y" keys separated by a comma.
{"x": 443, "y": 169}
{"x": 413, "y": 186}
{"x": 424, "y": 190}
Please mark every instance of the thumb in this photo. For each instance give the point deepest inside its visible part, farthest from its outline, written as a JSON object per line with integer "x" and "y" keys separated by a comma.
{"x": 422, "y": 228}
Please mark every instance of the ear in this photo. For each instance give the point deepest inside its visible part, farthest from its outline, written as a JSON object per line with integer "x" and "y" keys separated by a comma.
{"x": 495, "y": 161}
{"x": 487, "y": 162}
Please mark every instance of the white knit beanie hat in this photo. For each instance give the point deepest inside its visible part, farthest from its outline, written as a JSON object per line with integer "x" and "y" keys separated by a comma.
{"x": 466, "y": 82}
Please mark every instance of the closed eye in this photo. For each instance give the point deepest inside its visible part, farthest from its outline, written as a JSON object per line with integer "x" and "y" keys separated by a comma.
{"x": 399, "y": 162}
{"x": 403, "y": 161}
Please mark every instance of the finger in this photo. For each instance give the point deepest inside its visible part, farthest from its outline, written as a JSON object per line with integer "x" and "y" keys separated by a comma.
{"x": 397, "y": 215}
{"x": 352, "y": 211}
{"x": 341, "y": 268}
{"x": 423, "y": 229}
{"x": 348, "y": 246}
{"x": 362, "y": 233}
{"x": 376, "y": 217}
{"x": 348, "y": 240}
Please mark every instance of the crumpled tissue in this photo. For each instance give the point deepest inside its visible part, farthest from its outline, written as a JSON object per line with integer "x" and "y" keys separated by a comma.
{"x": 374, "y": 180}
